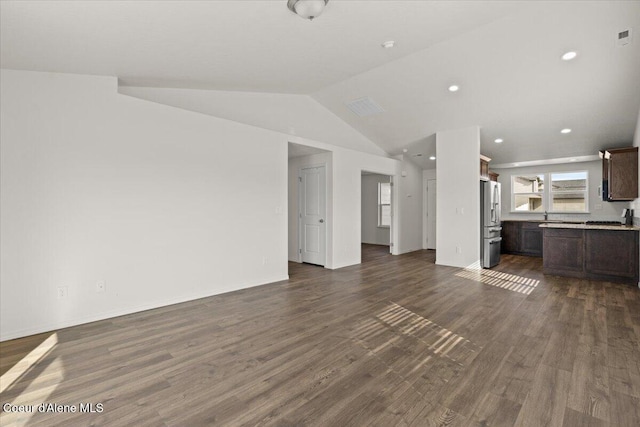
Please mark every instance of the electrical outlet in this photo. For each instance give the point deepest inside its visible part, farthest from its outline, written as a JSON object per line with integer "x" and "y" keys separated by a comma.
{"x": 458, "y": 250}
{"x": 63, "y": 291}
{"x": 265, "y": 261}
{"x": 101, "y": 286}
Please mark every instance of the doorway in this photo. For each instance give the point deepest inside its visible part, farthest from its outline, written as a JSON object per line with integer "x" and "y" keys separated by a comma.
{"x": 376, "y": 209}
{"x": 312, "y": 215}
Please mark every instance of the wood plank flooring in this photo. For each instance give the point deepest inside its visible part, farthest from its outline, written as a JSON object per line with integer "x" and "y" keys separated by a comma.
{"x": 395, "y": 341}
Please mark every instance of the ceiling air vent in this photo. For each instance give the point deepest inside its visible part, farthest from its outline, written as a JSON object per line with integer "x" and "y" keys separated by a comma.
{"x": 624, "y": 37}
{"x": 364, "y": 107}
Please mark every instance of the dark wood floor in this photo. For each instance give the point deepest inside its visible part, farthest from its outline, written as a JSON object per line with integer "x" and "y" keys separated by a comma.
{"x": 396, "y": 341}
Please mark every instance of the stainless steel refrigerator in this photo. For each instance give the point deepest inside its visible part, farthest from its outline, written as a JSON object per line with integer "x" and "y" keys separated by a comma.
{"x": 490, "y": 206}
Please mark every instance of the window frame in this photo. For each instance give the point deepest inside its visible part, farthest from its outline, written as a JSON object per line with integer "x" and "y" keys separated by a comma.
{"x": 380, "y": 205}
{"x": 547, "y": 193}
{"x": 585, "y": 191}
{"x": 539, "y": 193}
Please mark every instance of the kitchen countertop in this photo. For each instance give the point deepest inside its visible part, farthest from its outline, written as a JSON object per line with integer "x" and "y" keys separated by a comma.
{"x": 583, "y": 226}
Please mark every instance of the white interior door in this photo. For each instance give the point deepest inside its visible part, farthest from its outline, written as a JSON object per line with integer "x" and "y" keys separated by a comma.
{"x": 313, "y": 225}
{"x": 431, "y": 214}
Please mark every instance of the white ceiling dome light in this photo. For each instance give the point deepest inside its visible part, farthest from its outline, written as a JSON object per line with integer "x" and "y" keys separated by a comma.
{"x": 308, "y": 9}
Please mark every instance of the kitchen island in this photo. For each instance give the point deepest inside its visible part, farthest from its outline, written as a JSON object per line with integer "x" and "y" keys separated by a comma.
{"x": 600, "y": 252}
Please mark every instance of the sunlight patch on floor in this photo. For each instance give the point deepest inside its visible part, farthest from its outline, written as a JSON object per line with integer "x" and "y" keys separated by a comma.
{"x": 28, "y": 362}
{"x": 511, "y": 282}
{"x": 402, "y": 323}
{"x": 35, "y": 393}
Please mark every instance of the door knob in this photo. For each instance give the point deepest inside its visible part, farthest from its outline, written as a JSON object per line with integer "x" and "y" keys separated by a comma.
{"x": 321, "y": 220}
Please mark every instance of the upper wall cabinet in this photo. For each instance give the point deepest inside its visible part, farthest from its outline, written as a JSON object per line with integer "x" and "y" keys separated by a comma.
{"x": 484, "y": 167}
{"x": 485, "y": 173}
{"x": 620, "y": 174}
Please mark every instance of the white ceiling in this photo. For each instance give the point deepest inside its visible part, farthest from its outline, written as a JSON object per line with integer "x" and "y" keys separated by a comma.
{"x": 503, "y": 54}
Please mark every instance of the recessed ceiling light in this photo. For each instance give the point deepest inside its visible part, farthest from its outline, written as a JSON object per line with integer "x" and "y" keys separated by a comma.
{"x": 404, "y": 150}
{"x": 569, "y": 56}
{"x": 432, "y": 157}
{"x": 388, "y": 44}
{"x": 565, "y": 130}
{"x": 516, "y": 164}
{"x": 498, "y": 140}
{"x": 573, "y": 160}
{"x": 454, "y": 88}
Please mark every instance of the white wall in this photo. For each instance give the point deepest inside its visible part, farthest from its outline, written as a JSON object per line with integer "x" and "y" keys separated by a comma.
{"x": 295, "y": 164}
{"x": 598, "y": 210}
{"x": 164, "y": 204}
{"x": 287, "y": 113}
{"x": 314, "y": 126}
{"x": 458, "y": 200}
{"x": 371, "y": 233}
{"x": 429, "y": 174}
{"x": 347, "y": 169}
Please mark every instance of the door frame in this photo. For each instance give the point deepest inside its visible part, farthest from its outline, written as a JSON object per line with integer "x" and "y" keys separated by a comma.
{"x": 425, "y": 211}
{"x": 392, "y": 227}
{"x": 299, "y": 216}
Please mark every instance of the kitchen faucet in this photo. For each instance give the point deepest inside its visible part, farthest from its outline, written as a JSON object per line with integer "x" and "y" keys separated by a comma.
{"x": 546, "y": 215}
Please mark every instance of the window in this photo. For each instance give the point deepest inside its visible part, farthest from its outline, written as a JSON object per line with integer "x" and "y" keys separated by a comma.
{"x": 527, "y": 193}
{"x": 384, "y": 204}
{"x": 560, "y": 192}
{"x": 569, "y": 192}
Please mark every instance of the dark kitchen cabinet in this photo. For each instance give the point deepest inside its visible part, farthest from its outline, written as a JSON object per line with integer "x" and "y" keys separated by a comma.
{"x": 522, "y": 238}
{"x": 620, "y": 174}
{"x": 510, "y": 237}
{"x": 531, "y": 239}
{"x": 597, "y": 254}
{"x": 563, "y": 252}
{"x": 612, "y": 253}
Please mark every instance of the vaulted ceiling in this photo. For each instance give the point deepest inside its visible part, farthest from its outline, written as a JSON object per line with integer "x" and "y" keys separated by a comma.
{"x": 504, "y": 55}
